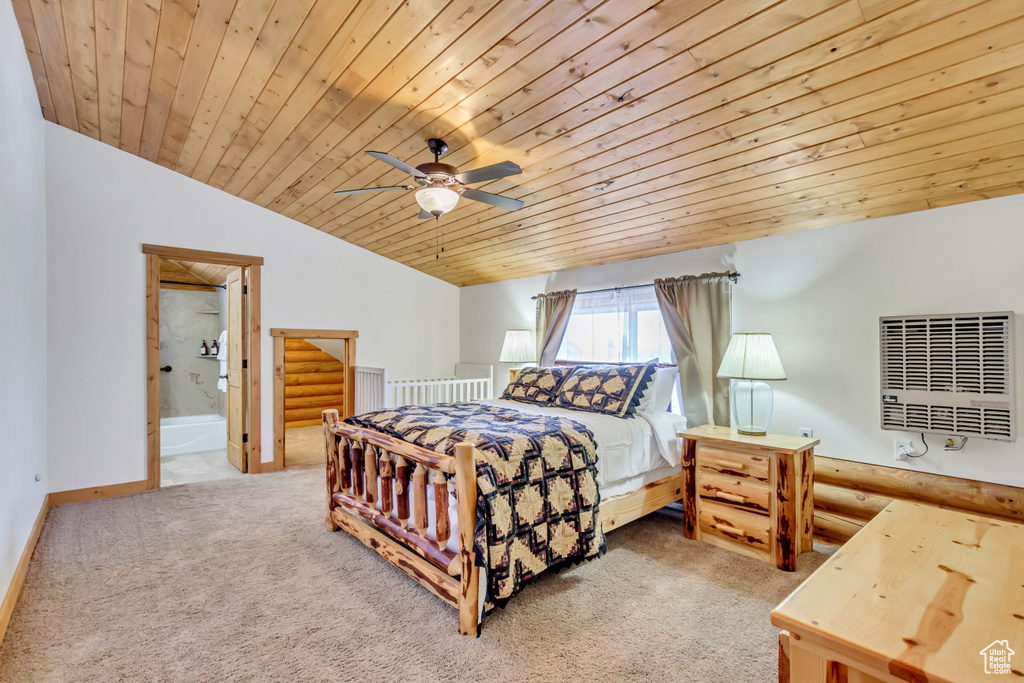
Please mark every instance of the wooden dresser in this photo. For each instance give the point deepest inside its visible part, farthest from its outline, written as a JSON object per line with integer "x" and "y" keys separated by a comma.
{"x": 919, "y": 594}
{"x": 750, "y": 494}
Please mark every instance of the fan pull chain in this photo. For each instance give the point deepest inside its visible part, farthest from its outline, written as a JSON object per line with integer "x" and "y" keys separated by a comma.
{"x": 437, "y": 237}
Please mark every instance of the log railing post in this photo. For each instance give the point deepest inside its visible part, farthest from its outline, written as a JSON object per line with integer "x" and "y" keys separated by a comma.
{"x": 356, "y": 458}
{"x": 331, "y": 455}
{"x": 419, "y": 499}
{"x": 466, "y": 493}
{"x": 402, "y": 490}
{"x": 343, "y": 465}
{"x": 371, "y": 474}
{"x": 442, "y": 527}
{"x": 386, "y": 481}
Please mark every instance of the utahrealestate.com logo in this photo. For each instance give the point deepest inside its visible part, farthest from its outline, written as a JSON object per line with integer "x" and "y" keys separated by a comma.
{"x": 997, "y": 657}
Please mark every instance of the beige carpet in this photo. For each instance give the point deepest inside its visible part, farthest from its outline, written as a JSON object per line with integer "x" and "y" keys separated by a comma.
{"x": 237, "y": 580}
{"x": 304, "y": 447}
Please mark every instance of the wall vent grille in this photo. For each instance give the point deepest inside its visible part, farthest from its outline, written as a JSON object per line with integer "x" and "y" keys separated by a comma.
{"x": 949, "y": 374}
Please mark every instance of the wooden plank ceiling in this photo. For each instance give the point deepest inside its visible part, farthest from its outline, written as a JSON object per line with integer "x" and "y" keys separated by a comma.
{"x": 642, "y": 128}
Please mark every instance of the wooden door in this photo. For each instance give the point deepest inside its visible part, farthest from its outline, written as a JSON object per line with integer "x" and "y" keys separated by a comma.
{"x": 236, "y": 374}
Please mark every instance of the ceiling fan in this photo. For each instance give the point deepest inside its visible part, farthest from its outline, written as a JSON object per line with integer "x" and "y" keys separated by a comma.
{"x": 442, "y": 184}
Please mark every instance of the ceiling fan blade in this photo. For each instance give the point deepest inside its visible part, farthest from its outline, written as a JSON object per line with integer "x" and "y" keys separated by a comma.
{"x": 492, "y": 199}
{"x": 492, "y": 172}
{"x": 400, "y": 165}
{"x": 425, "y": 214}
{"x": 373, "y": 189}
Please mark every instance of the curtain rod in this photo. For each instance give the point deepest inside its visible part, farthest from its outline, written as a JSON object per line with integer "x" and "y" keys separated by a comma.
{"x": 733, "y": 276}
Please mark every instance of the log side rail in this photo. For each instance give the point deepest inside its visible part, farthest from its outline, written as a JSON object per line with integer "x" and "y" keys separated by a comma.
{"x": 366, "y": 469}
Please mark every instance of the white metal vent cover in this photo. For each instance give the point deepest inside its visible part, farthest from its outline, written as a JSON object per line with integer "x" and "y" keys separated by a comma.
{"x": 949, "y": 374}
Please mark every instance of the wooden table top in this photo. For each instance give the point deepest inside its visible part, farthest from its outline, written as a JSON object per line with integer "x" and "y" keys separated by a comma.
{"x": 780, "y": 442}
{"x": 918, "y": 593}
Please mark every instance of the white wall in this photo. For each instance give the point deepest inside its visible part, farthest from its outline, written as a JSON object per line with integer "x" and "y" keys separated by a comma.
{"x": 22, "y": 299}
{"x": 103, "y": 204}
{"x": 820, "y": 293}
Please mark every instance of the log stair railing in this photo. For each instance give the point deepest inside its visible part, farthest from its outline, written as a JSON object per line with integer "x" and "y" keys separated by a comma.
{"x": 847, "y": 495}
{"x": 367, "y": 468}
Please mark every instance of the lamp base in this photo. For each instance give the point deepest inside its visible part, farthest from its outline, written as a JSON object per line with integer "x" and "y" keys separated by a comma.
{"x": 752, "y": 402}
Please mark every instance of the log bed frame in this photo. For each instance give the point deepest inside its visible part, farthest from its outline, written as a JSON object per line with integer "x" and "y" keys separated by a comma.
{"x": 366, "y": 466}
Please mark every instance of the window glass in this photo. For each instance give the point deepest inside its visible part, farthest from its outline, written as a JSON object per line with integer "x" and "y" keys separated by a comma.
{"x": 622, "y": 325}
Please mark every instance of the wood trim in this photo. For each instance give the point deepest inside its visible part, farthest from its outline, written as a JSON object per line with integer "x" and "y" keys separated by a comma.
{"x": 278, "y": 402}
{"x": 313, "y": 334}
{"x": 18, "y": 580}
{"x": 254, "y": 397}
{"x": 350, "y": 375}
{"x": 279, "y": 334}
{"x": 152, "y": 371}
{"x": 620, "y": 510}
{"x": 202, "y": 256}
{"x": 154, "y": 254}
{"x": 98, "y": 492}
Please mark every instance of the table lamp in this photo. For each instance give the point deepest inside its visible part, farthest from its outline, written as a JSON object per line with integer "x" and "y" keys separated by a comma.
{"x": 518, "y": 348}
{"x": 752, "y": 358}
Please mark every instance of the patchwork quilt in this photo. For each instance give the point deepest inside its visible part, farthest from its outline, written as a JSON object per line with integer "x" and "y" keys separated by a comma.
{"x": 537, "y": 479}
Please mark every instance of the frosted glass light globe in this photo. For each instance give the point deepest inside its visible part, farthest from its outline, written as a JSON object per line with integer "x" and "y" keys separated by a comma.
{"x": 437, "y": 200}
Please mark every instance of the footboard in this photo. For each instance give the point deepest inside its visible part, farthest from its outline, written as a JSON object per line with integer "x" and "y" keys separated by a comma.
{"x": 366, "y": 468}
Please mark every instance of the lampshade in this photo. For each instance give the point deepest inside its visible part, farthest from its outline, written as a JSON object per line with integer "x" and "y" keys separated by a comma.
{"x": 437, "y": 200}
{"x": 752, "y": 356}
{"x": 518, "y": 347}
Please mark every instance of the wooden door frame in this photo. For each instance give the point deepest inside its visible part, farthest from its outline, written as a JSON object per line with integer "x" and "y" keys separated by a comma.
{"x": 279, "y": 335}
{"x": 154, "y": 253}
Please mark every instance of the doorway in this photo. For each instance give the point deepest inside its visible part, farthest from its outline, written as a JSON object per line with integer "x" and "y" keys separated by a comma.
{"x": 313, "y": 370}
{"x": 204, "y": 417}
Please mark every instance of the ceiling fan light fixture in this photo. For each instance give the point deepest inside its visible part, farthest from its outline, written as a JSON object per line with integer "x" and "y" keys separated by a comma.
{"x": 437, "y": 201}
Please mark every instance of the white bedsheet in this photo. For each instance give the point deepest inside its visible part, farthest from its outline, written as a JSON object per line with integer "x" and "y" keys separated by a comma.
{"x": 626, "y": 446}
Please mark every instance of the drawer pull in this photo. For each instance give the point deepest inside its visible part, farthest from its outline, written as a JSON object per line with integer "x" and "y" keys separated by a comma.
{"x": 732, "y": 497}
{"x": 728, "y": 464}
{"x": 731, "y": 531}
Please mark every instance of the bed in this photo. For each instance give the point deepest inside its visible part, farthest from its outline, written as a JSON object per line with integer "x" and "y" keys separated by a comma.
{"x": 429, "y": 488}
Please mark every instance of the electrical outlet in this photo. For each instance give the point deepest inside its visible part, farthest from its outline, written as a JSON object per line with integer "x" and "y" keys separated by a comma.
{"x": 807, "y": 432}
{"x": 901, "y": 447}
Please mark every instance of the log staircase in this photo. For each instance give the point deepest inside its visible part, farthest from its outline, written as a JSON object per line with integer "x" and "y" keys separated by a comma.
{"x": 314, "y": 381}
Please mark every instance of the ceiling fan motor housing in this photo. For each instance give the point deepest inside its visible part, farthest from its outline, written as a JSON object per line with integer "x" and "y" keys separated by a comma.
{"x": 437, "y": 174}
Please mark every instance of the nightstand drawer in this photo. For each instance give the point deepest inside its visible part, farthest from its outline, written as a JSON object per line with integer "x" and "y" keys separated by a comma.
{"x": 750, "y": 493}
{"x": 747, "y": 531}
{"x": 733, "y": 463}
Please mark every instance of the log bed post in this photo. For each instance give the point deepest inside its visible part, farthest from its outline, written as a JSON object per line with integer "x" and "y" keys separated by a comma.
{"x": 331, "y": 454}
{"x": 466, "y": 493}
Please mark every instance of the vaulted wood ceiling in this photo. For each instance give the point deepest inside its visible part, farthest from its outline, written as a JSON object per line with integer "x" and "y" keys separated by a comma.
{"x": 642, "y": 127}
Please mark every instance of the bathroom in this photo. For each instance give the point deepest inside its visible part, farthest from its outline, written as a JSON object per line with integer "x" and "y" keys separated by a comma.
{"x": 193, "y": 398}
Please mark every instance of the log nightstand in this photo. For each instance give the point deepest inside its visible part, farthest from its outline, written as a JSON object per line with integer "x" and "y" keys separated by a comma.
{"x": 750, "y": 494}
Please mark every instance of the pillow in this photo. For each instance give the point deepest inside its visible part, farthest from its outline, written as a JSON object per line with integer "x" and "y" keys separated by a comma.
{"x": 658, "y": 396}
{"x": 536, "y": 385}
{"x": 611, "y": 389}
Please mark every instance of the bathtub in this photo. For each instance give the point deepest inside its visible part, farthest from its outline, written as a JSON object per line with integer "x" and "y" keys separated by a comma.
{"x": 192, "y": 434}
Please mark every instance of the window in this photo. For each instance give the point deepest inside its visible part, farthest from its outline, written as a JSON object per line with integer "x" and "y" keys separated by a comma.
{"x": 621, "y": 325}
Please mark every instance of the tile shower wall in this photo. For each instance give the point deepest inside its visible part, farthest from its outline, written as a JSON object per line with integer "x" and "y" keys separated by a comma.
{"x": 191, "y": 386}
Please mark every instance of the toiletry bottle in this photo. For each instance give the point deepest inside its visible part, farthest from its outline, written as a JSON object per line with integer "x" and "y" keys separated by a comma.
{"x": 203, "y": 350}
{"x": 214, "y": 348}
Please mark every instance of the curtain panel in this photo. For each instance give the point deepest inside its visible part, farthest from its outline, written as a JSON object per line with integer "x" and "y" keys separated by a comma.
{"x": 697, "y": 311}
{"x": 553, "y": 311}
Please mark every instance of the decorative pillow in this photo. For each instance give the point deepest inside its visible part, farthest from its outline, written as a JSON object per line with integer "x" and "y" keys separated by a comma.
{"x": 537, "y": 385}
{"x": 612, "y": 389}
{"x": 658, "y": 396}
